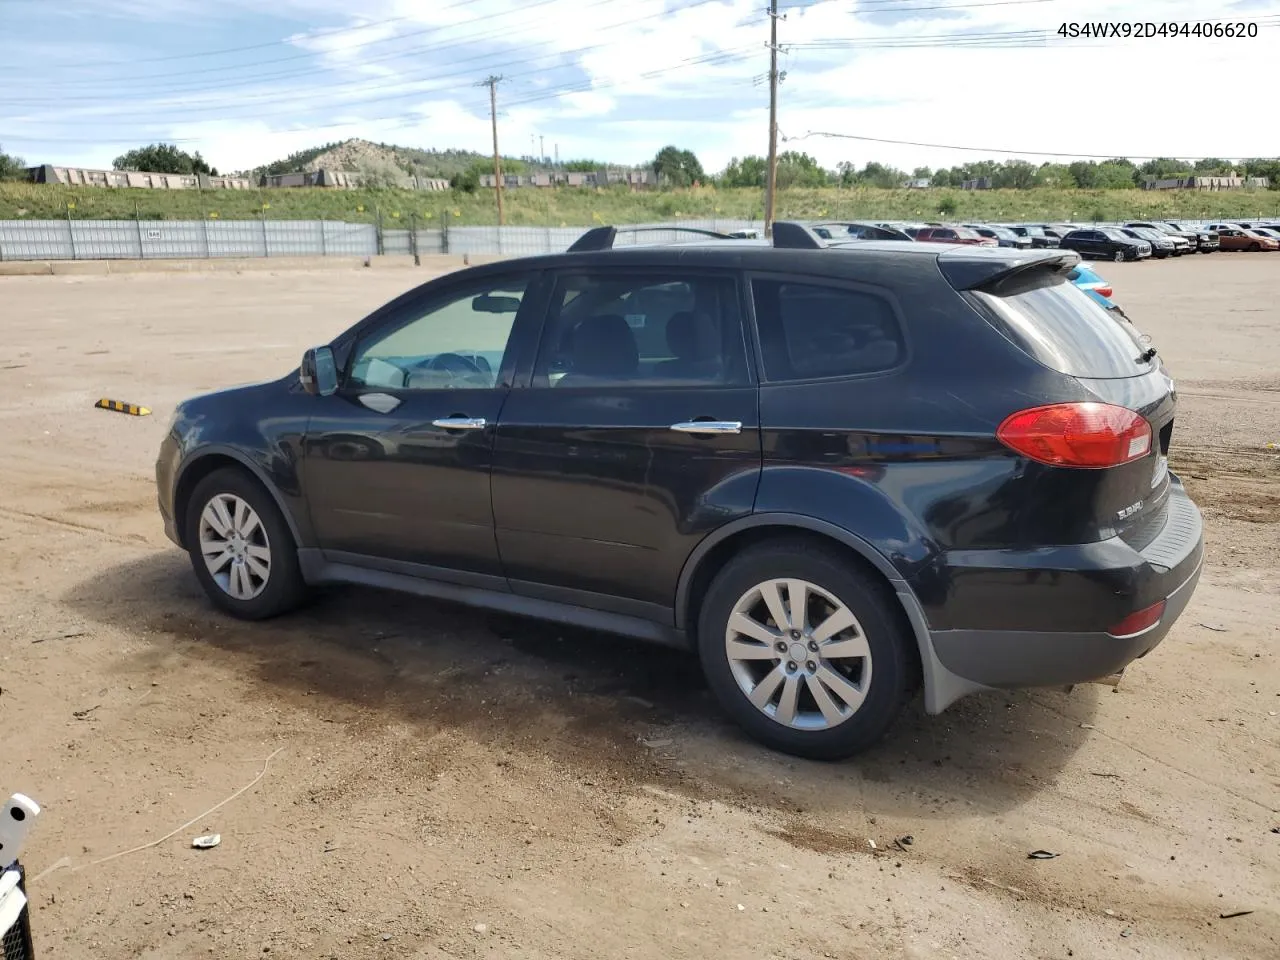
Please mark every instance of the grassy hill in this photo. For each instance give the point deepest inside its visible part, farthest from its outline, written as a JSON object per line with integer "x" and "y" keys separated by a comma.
{"x": 583, "y": 207}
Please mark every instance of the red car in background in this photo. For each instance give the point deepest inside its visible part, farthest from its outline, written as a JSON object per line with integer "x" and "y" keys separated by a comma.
{"x": 955, "y": 235}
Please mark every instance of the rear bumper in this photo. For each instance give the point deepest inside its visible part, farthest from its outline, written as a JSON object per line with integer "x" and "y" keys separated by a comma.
{"x": 1042, "y": 617}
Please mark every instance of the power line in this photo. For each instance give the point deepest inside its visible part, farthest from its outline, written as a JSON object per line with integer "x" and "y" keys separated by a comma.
{"x": 1025, "y": 153}
{"x": 553, "y": 93}
{"x": 147, "y": 78}
{"x": 381, "y": 96}
{"x": 377, "y": 82}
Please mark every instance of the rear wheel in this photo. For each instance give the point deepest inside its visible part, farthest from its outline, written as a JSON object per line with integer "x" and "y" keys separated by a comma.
{"x": 804, "y": 650}
{"x": 240, "y": 547}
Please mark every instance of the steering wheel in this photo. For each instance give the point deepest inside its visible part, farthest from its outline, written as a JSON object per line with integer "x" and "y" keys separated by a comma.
{"x": 453, "y": 363}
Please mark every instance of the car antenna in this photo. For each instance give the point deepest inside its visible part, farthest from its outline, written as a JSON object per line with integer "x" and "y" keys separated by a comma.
{"x": 1147, "y": 355}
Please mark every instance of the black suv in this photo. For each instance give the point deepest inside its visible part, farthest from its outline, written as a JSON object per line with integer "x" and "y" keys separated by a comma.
{"x": 837, "y": 471}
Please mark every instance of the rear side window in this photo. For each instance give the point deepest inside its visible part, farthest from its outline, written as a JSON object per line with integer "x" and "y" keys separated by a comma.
{"x": 809, "y": 331}
{"x": 1063, "y": 328}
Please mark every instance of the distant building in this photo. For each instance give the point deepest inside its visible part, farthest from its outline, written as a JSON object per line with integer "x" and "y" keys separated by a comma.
{"x": 638, "y": 178}
{"x": 87, "y": 177}
{"x": 1205, "y": 183}
{"x": 981, "y": 183}
{"x": 344, "y": 180}
{"x": 920, "y": 183}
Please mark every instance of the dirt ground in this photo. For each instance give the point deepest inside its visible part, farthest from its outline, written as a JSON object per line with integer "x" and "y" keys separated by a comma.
{"x": 431, "y": 782}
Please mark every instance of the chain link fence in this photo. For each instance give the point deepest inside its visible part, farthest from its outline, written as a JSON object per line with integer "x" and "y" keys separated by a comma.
{"x": 139, "y": 239}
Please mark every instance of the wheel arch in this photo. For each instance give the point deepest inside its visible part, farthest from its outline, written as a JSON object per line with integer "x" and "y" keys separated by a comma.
{"x": 210, "y": 459}
{"x": 941, "y": 686}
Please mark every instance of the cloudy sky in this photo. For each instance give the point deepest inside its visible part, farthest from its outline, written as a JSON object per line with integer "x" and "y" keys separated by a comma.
{"x": 249, "y": 81}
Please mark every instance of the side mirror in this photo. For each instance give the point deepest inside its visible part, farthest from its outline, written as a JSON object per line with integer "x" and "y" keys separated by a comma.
{"x": 487, "y": 303}
{"x": 318, "y": 373}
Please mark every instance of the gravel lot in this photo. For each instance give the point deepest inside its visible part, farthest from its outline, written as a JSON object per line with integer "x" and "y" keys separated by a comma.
{"x": 446, "y": 784}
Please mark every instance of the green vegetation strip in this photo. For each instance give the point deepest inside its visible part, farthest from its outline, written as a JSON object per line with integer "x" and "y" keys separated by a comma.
{"x": 584, "y": 207}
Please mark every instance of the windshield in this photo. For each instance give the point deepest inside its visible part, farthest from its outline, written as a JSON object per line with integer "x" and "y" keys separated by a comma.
{"x": 1115, "y": 234}
{"x": 1066, "y": 330}
{"x": 964, "y": 233}
{"x": 1004, "y": 233}
{"x": 1034, "y": 231}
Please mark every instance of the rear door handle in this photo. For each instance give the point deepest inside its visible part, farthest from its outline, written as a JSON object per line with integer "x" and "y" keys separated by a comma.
{"x": 460, "y": 423}
{"x": 708, "y": 426}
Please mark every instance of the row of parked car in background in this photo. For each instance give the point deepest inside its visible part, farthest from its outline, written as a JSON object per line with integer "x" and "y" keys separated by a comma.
{"x": 1135, "y": 240}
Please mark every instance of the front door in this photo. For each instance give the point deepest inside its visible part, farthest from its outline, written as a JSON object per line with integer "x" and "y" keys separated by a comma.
{"x": 637, "y": 434}
{"x": 397, "y": 462}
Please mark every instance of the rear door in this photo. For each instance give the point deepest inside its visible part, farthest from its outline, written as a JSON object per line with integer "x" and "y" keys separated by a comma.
{"x": 635, "y": 433}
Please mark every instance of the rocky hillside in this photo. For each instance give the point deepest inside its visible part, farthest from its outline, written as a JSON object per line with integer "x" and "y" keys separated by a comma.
{"x": 362, "y": 155}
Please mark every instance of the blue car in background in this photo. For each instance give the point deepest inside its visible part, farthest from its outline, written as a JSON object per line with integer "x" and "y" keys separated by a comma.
{"x": 1098, "y": 289}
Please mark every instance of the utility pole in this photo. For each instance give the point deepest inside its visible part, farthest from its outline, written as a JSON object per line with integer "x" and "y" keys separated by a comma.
{"x": 542, "y": 150}
{"x": 771, "y": 181}
{"x": 557, "y": 155}
{"x": 492, "y": 82}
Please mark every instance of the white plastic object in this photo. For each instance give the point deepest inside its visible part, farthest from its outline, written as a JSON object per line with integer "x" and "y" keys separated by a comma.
{"x": 12, "y": 900}
{"x": 16, "y": 821}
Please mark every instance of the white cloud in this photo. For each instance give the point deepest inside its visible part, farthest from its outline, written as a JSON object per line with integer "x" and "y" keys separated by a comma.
{"x": 616, "y": 79}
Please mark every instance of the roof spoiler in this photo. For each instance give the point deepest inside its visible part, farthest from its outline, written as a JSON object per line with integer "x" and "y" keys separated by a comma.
{"x": 1005, "y": 277}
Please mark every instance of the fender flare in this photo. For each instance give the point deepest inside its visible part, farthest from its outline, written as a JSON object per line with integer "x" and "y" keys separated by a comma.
{"x": 233, "y": 453}
{"x": 941, "y": 686}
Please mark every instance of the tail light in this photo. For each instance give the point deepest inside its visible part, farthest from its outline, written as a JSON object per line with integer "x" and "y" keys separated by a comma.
{"x": 1091, "y": 435}
{"x": 1103, "y": 292}
{"x": 1138, "y": 622}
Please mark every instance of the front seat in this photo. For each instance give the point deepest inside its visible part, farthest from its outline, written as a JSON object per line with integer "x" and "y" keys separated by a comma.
{"x": 691, "y": 338}
{"x": 602, "y": 348}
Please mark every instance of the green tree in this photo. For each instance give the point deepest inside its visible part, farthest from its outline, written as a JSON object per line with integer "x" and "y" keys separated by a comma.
{"x": 1118, "y": 174}
{"x": 875, "y": 175}
{"x": 1014, "y": 175}
{"x": 1264, "y": 167}
{"x": 583, "y": 166}
{"x": 747, "y": 172}
{"x": 1054, "y": 175}
{"x": 1213, "y": 167}
{"x": 800, "y": 170}
{"x": 921, "y": 173}
{"x": 11, "y": 167}
{"x": 680, "y": 168}
{"x": 941, "y": 178}
{"x": 162, "y": 158}
{"x": 1164, "y": 168}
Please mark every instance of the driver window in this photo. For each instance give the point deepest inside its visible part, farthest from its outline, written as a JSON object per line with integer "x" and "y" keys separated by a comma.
{"x": 457, "y": 344}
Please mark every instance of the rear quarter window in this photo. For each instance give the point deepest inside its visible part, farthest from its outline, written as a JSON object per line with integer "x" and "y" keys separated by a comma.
{"x": 1063, "y": 328}
{"x": 810, "y": 331}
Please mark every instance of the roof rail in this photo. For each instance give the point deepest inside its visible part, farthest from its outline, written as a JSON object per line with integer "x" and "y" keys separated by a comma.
{"x": 789, "y": 235}
{"x": 602, "y": 238}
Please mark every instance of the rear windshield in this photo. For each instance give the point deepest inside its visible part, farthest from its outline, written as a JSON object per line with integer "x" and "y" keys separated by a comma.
{"x": 1063, "y": 328}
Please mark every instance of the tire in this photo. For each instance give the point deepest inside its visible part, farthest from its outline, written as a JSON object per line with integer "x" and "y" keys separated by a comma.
{"x": 878, "y": 683}
{"x": 238, "y": 586}
{"x": 1255, "y": 247}
{"x": 1118, "y": 257}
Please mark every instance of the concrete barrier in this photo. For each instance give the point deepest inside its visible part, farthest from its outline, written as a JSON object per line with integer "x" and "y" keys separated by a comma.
{"x": 435, "y": 263}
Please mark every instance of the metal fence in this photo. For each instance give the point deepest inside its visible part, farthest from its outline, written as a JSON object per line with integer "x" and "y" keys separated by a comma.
{"x": 72, "y": 239}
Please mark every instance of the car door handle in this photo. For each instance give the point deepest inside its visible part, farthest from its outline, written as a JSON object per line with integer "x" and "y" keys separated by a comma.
{"x": 460, "y": 423}
{"x": 708, "y": 426}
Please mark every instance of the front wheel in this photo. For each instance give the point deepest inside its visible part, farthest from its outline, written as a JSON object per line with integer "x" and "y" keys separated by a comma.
{"x": 240, "y": 547}
{"x": 1119, "y": 256}
{"x": 804, "y": 650}
{"x": 1255, "y": 247}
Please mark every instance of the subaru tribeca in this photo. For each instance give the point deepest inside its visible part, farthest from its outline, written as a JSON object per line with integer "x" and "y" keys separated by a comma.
{"x": 835, "y": 471}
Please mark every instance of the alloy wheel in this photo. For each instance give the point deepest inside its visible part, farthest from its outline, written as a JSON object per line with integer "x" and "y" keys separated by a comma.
{"x": 235, "y": 547}
{"x": 798, "y": 654}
